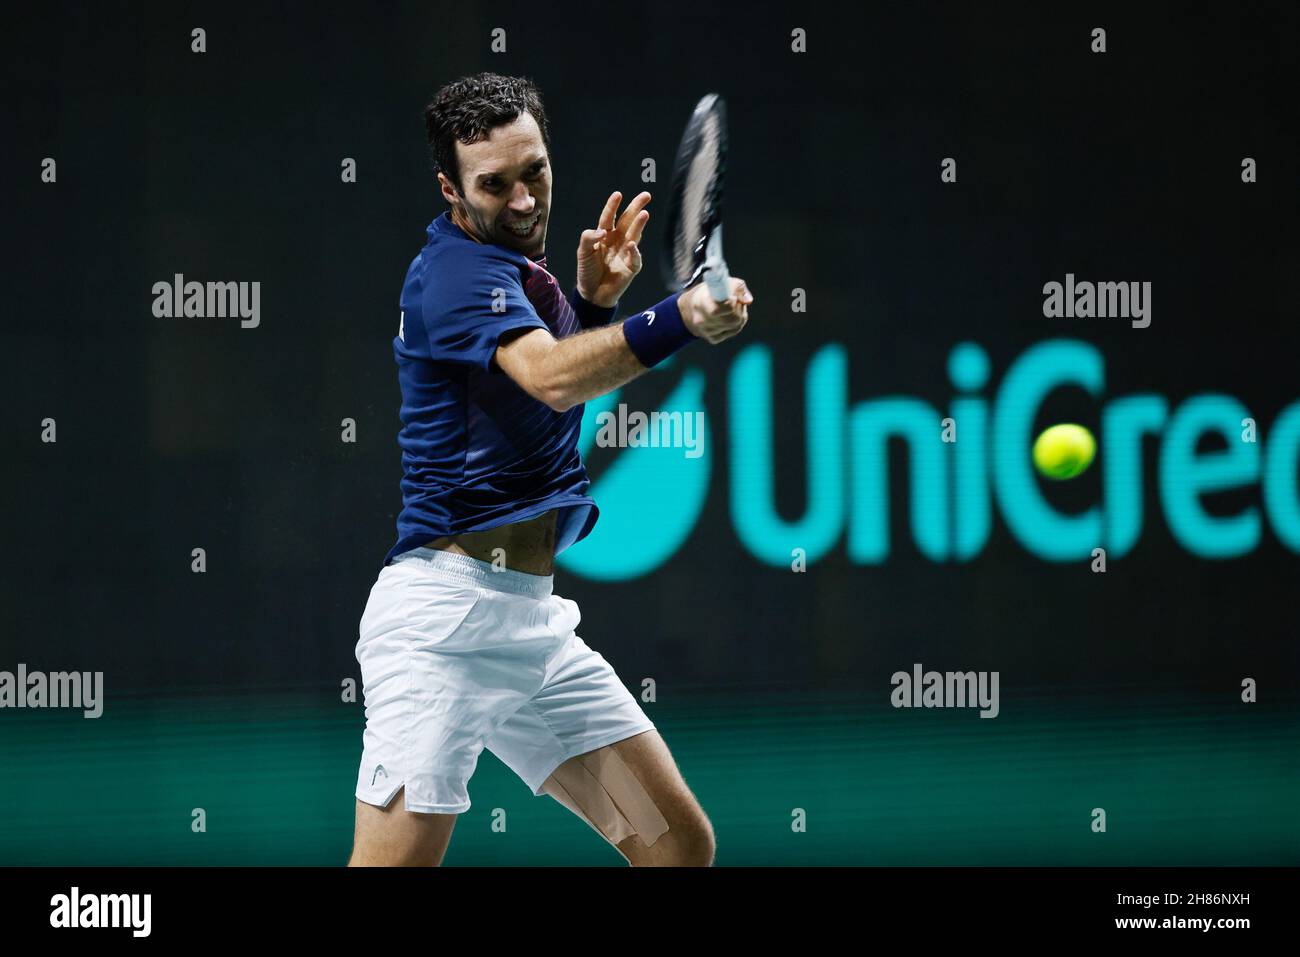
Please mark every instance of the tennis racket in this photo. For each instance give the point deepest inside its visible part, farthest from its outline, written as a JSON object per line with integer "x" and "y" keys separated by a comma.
{"x": 693, "y": 241}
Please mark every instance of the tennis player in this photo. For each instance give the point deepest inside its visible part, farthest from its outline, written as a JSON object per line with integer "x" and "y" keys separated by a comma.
{"x": 463, "y": 642}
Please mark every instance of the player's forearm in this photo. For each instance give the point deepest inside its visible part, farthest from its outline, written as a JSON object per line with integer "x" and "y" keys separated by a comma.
{"x": 581, "y": 367}
{"x": 566, "y": 372}
{"x": 592, "y": 363}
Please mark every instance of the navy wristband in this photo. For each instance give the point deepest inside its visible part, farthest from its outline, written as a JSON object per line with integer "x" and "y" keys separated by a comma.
{"x": 589, "y": 314}
{"x": 657, "y": 333}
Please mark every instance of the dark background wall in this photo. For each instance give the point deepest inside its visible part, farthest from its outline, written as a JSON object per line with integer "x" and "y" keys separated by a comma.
{"x": 175, "y": 434}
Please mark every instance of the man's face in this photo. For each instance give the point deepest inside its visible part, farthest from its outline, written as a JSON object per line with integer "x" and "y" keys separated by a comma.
{"x": 506, "y": 180}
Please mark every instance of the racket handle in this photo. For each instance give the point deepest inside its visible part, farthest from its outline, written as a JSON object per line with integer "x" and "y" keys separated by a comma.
{"x": 716, "y": 276}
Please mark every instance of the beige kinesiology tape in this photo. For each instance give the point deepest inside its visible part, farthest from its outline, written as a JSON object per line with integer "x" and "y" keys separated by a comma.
{"x": 601, "y": 789}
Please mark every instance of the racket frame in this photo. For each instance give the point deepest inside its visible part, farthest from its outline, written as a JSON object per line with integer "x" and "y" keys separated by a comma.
{"x": 712, "y": 267}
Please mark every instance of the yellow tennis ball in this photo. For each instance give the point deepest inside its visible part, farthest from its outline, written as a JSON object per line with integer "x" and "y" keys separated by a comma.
{"x": 1064, "y": 451}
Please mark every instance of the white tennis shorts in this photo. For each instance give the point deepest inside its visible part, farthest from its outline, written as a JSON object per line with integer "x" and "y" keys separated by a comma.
{"x": 456, "y": 657}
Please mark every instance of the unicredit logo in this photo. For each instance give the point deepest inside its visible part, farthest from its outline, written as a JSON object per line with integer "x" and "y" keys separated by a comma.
{"x": 650, "y": 501}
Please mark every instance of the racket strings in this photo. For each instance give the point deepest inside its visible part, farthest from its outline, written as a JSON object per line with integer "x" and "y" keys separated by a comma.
{"x": 700, "y": 187}
{"x": 695, "y": 208}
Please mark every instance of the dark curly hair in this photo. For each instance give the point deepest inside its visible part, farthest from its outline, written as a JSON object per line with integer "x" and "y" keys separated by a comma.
{"x": 468, "y": 109}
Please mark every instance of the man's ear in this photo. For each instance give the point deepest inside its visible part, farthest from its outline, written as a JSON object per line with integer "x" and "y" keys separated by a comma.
{"x": 448, "y": 189}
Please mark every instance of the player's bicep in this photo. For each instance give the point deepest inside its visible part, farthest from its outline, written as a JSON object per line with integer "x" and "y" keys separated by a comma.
{"x": 522, "y": 354}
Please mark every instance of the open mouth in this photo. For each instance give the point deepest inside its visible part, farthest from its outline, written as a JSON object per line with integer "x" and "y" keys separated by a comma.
{"x": 525, "y": 229}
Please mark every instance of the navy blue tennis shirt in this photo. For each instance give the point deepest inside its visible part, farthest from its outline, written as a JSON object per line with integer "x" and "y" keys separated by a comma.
{"x": 477, "y": 450}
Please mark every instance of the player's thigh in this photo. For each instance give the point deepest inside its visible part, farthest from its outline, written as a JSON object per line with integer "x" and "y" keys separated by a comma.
{"x": 395, "y": 837}
{"x": 688, "y": 838}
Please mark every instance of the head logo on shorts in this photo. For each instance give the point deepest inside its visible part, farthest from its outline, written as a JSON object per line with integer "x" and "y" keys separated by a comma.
{"x": 379, "y": 769}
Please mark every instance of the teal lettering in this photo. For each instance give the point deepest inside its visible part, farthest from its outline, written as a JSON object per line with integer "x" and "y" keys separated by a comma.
{"x": 871, "y": 424}
{"x": 1185, "y": 477}
{"x": 768, "y": 537}
{"x": 1040, "y": 528}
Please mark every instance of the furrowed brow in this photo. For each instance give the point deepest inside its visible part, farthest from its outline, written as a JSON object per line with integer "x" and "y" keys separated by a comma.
{"x": 497, "y": 174}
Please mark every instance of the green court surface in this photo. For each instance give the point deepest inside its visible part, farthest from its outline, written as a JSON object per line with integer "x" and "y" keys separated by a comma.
{"x": 1183, "y": 781}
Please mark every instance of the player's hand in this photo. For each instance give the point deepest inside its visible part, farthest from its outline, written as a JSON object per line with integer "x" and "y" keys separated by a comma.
{"x": 609, "y": 256}
{"x": 711, "y": 320}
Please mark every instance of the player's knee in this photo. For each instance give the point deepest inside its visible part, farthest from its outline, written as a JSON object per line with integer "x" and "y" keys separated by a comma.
{"x": 699, "y": 845}
{"x": 688, "y": 842}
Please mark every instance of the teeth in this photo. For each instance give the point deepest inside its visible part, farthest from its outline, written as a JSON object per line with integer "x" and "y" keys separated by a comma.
{"x": 526, "y": 228}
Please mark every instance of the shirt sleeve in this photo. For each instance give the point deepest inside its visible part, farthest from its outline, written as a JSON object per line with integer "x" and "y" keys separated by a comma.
{"x": 479, "y": 297}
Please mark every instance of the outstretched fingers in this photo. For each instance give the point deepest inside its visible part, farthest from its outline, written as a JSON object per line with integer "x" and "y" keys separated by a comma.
{"x": 632, "y": 222}
{"x": 611, "y": 207}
